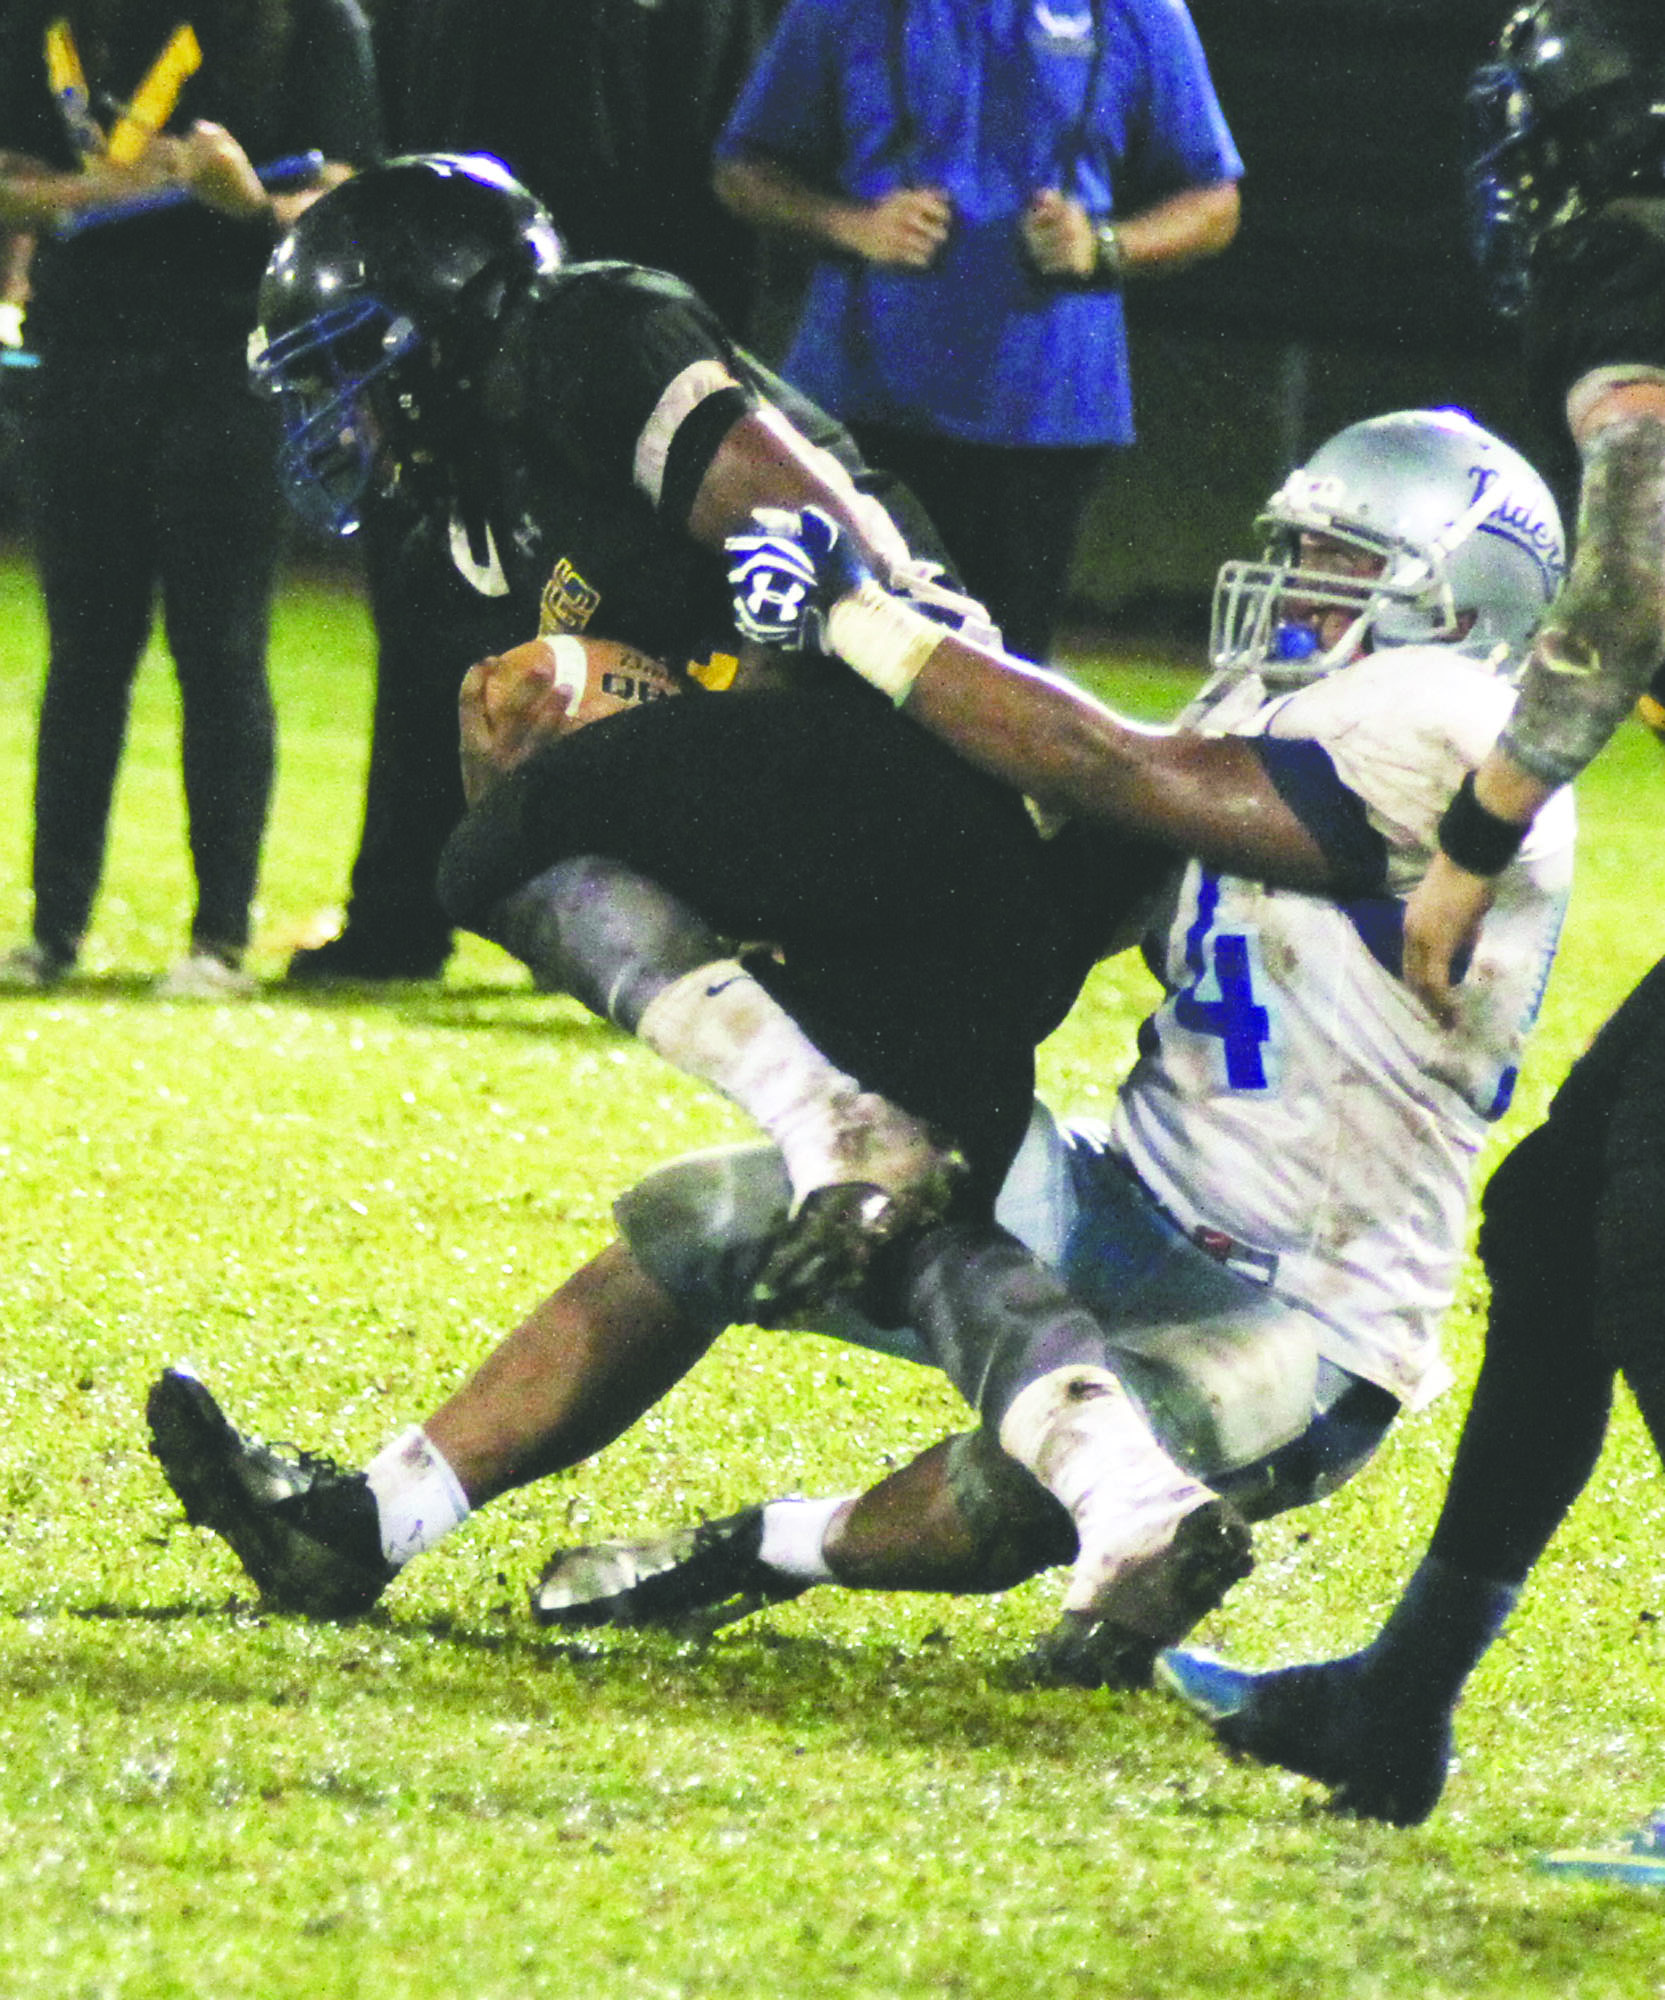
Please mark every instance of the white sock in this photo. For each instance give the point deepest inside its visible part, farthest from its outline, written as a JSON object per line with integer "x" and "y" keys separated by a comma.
{"x": 717, "y": 1023}
{"x": 794, "y": 1537}
{"x": 418, "y": 1497}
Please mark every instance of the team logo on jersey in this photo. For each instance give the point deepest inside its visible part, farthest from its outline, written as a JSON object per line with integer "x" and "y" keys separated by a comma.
{"x": 569, "y": 603}
{"x": 1062, "y": 33}
{"x": 1514, "y": 520}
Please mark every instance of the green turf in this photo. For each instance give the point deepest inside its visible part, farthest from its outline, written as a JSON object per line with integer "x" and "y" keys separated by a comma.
{"x": 333, "y": 1206}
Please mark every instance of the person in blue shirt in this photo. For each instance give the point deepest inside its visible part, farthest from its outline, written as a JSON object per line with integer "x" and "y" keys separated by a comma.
{"x": 977, "y": 184}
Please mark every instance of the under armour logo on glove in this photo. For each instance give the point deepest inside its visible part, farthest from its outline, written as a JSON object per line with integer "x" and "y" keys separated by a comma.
{"x": 788, "y": 571}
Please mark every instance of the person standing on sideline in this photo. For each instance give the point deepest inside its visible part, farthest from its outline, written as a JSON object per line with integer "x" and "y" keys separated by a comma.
{"x": 979, "y": 184}
{"x": 130, "y": 140}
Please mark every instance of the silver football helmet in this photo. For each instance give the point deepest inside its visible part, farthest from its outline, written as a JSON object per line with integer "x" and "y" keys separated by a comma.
{"x": 1452, "y": 537}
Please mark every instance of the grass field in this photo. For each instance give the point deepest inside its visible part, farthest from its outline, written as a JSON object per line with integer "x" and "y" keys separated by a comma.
{"x": 333, "y": 1206}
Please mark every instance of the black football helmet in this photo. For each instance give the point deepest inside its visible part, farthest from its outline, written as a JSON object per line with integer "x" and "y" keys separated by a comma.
{"x": 375, "y": 312}
{"x": 1569, "y": 113}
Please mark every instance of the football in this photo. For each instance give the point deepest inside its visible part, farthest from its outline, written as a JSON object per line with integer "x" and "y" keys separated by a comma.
{"x": 512, "y": 702}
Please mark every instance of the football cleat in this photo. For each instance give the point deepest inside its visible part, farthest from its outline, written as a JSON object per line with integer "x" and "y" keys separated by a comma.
{"x": 885, "y": 1177}
{"x": 1211, "y": 1688}
{"x": 307, "y": 1532}
{"x": 1382, "y": 1759}
{"x": 1152, "y": 1603}
{"x": 1638, "y": 1861}
{"x": 360, "y": 957}
{"x": 694, "y": 1580}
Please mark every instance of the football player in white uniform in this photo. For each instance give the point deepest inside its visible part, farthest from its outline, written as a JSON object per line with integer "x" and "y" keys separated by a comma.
{"x": 1259, "y": 1249}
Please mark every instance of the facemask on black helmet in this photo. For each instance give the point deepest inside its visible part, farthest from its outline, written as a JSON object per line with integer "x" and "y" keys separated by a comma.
{"x": 376, "y": 311}
{"x": 1570, "y": 112}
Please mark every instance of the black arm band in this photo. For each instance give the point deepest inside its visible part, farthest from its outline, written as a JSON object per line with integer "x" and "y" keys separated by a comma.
{"x": 695, "y": 446}
{"x": 1475, "y": 838}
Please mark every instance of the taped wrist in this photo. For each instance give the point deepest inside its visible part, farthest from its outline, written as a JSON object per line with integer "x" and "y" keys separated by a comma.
{"x": 1476, "y": 838}
{"x": 884, "y": 640}
{"x": 1605, "y": 637}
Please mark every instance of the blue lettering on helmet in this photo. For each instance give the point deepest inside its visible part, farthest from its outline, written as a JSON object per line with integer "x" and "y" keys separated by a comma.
{"x": 1517, "y": 521}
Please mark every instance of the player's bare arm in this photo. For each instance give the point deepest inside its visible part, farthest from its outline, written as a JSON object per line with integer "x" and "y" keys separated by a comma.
{"x": 1206, "y": 796}
{"x": 764, "y": 460}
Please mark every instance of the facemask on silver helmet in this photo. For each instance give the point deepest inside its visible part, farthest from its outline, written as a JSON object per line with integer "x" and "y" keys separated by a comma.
{"x": 1451, "y": 537}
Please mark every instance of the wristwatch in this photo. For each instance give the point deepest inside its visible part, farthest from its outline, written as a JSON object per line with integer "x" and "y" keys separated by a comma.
{"x": 1109, "y": 258}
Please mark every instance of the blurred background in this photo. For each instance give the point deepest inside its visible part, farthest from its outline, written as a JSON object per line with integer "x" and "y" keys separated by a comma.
{"x": 1348, "y": 291}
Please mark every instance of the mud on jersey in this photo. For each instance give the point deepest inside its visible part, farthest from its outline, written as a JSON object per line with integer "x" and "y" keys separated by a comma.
{"x": 1293, "y": 1105}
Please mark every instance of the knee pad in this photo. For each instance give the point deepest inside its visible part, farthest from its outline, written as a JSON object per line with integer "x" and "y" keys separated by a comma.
{"x": 700, "y": 1226}
{"x": 1220, "y": 1394}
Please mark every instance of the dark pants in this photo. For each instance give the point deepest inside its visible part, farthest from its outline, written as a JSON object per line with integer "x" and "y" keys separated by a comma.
{"x": 928, "y": 937}
{"x": 1572, "y": 1243}
{"x": 431, "y": 626}
{"x": 1008, "y": 514}
{"x": 153, "y": 476}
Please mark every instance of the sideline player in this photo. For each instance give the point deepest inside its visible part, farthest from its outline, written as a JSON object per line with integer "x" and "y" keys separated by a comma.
{"x": 1566, "y": 166}
{"x": 1271, "y": 1323}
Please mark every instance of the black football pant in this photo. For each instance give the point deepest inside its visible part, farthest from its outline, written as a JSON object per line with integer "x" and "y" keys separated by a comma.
{"x": 928, "y": 938}
{"x": 1009, "y": 516}
{"x": 1573, "y": 1245}
{"x": 153, "y": 477}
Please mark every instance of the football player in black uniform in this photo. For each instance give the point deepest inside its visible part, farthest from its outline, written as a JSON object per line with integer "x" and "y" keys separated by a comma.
{"x": 581, "y": 438}
{"x": 586, "y": 438}
{"x": 1567, "y": 175}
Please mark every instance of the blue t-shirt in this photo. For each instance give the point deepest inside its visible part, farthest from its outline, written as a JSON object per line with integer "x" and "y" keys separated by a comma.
{"x": 991, "y": 100}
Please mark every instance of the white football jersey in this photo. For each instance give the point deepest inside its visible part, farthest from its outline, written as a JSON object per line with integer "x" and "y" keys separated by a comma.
{"x": 1294, "y": 1107}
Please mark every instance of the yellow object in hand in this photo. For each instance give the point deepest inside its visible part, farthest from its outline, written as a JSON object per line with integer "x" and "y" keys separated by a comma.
{"x": 151, "y": 104}
{"x": 69, "y": 90}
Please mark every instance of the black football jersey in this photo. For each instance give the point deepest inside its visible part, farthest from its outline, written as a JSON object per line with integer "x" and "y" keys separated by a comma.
{"x": 607, "y": 397}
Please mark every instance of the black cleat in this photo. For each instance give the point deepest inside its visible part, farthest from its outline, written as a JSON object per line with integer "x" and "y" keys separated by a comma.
{"x": 1382, "y": 1759}
{"x": 356, "y": 958}
{"x": 1154, "y": 1603}
{"x": 695, "y": 1579}
{"x": 306, "y": 1531}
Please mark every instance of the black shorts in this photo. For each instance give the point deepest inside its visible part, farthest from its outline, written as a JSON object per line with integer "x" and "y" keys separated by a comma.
{"x": 921, "y": 931}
